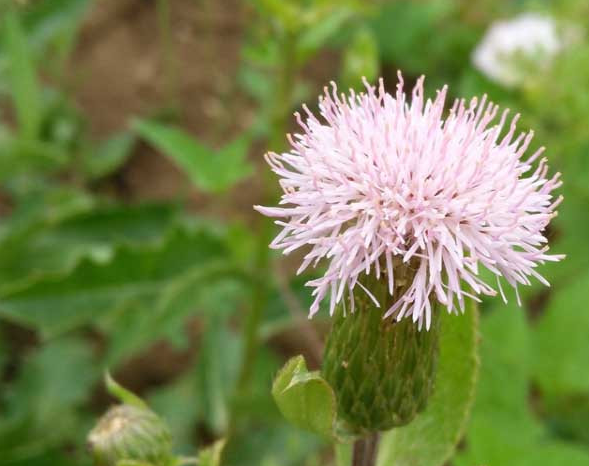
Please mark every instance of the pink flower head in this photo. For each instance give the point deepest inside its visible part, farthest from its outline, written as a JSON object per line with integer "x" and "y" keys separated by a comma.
{"x": 380, "y": 180}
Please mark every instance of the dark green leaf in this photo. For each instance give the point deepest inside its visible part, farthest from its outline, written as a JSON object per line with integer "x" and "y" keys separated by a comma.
{"x": 217, "y": 371}
{"x": 134, "y": 275}
{"x": 502, "y": 430}
{"x": 49, "y": 247}
{"x": 560, "y": 341}
{"x": 40, "y": 405}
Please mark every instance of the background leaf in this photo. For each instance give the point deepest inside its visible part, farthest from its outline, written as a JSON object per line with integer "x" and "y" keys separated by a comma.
{"x": 91, "y": 290}
{"x": 26, "y": 96}
{"x": 209, "y": 170}
{"x": 503, "y": 430}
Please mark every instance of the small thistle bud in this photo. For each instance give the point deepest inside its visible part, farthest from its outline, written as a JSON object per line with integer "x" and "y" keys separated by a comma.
{"x": 382, "y": 371}
{"x": 130, "y": 433}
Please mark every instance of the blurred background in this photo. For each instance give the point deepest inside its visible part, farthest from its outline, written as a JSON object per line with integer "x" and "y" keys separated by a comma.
{"x": 131, "y": 142}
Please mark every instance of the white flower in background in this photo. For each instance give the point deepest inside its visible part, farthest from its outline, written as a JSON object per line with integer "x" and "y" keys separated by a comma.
{"x": 513, "y": 50}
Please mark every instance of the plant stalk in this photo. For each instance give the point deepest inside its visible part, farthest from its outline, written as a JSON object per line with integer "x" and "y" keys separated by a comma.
{"x": 365, "y": 450}
{"x": 284, "y": 88}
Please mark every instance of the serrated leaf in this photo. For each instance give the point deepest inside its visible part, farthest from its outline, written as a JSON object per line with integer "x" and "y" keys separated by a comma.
{"x": 55, "y": 303}
{"x": 431, "y": 438}
{"x": 304, "y": 398}
{"x": 209, "y": 170}
{"x": 46, "y": 246}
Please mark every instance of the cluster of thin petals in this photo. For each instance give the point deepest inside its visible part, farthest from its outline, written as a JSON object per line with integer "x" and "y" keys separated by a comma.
{"x": 380, "y": 181}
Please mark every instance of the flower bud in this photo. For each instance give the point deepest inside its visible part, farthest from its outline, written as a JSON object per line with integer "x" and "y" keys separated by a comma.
{"x": 382, "y": 370}
{"x": 129, "y": 432}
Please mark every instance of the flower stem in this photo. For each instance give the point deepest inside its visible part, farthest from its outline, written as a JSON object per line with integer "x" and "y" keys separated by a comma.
{"x": 284, "y": 86}
{"x": 365, "y": 450}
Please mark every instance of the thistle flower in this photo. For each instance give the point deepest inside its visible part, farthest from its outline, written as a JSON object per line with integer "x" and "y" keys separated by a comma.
{"x": 513, "y": 50}
{"x": 383, "y": 182}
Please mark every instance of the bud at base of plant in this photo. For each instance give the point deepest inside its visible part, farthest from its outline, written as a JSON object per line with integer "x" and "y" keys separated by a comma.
{"x": 130, "y": 433}
{"x": 382, "y": 371}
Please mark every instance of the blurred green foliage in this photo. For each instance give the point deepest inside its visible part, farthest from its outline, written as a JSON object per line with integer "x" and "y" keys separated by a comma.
{"x": 90, "y": 279}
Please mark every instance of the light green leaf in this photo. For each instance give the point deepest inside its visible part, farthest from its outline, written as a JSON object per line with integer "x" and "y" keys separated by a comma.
{"x": 211, "y": 456}
{"x": 26, "y": 95}
{"x": 209, "y": 170}
{"x": 430, "y": 440}
{"x": 320, "y": 30}
{"x": 24, "y": 157}
{"x": 343, "y": 454}
{"x": 305, "y": 398}
{"x": 560, "y": 340}
{"x": 122, "y": 394}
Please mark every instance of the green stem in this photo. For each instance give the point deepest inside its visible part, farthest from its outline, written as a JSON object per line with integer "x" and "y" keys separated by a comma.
{"x": 284, "y": 87}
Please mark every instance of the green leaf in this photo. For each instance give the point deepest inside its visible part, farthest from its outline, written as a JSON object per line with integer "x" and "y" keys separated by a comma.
{"x": 52, "y": 247}
{"x": 24, "y": 157}
{"x": 305, "y": 398}
{"x": 211, "y": 456}
{"x": 360, "y": 59}
{"x": 431, "y": 438}
{"x": 205, "y": 290}
{"x": 40, "y": 406}
{"x": 503, "y": 430}
{"x": 134, "y": 275}
{"x": 217, "y": 371}
{"x": 46, "y": 21}
{"x": 560, "y": 341}
{"x": 122, "y": 394}
{"x": 209, "y": 170}
{"x": 273, "y": 445}
{"x": 109, "y": 155}
{"x": 315, "y": 35}
{"x": 26, "y": 95}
